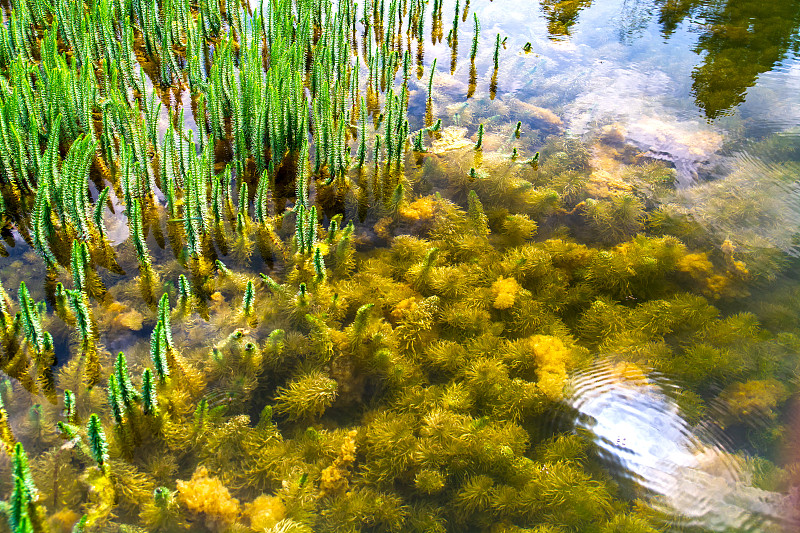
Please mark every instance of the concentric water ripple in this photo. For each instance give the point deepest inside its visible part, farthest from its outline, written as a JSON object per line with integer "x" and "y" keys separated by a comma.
{"x": 682, "y": 472}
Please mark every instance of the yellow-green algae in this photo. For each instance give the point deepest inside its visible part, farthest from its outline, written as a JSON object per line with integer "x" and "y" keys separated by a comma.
{"x": 404, "y": 389}
{"x": 387, "y": 354}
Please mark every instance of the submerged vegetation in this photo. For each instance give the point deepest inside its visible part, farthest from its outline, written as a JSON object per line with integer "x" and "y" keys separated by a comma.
{"x": 255, "y": 293}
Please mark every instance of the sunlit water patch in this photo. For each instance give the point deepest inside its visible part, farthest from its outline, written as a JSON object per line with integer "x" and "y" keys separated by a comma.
{"x": 682, "y": 470}
{"x": 681, "y": 80}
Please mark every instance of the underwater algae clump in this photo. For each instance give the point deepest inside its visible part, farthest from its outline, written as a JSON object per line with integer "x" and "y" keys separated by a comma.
{"x": 312, "y": 340}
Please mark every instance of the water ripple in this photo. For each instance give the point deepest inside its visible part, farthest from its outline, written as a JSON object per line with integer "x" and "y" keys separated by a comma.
{"x": 683, "y": 472}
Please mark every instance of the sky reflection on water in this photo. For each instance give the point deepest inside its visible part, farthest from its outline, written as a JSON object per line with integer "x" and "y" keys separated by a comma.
{"x": 712, "y": 52}
{"x": 738, "y": 40}
{"x": 682, "y": 471}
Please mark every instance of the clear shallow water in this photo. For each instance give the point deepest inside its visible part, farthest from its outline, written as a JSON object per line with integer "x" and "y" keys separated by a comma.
{"x": 711, "y": 52}
{"x": 617, "y": 61}
{"x": 712, "y": 89}
{"x": 681, "y": 470}
{"x": 620, "y": 84}
{"x": 704, "y": 86}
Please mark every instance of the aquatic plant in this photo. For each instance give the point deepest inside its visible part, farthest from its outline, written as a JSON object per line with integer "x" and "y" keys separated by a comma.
{"x": 23, "y": 512}
{"x": 97, "y": 442}
{"x": 307, "y": 396}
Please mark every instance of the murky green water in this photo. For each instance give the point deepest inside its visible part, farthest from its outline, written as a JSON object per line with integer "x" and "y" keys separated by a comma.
{"x": 603, "y": 339}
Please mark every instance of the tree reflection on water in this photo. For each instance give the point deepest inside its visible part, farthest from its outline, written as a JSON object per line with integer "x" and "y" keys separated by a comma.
{"x": 738, "y": 39}
{"x": 561, "y": 15}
